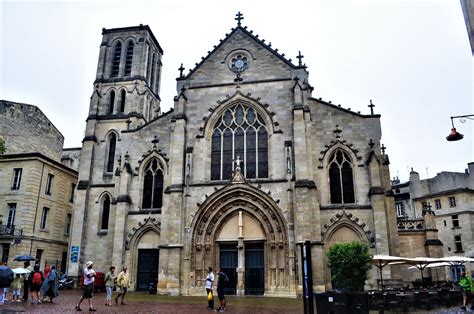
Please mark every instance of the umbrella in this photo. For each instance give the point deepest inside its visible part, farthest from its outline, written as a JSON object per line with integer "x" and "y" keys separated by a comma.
{"x": 380, "y": 261}
{"x": 6, "y": 276}
{"x": 421, "y": 263}
{"x": 439, "y": 264}
{"x": 21, "y": 271}
{"x": 23, "y": 258}
{"x": 456, "y": 260}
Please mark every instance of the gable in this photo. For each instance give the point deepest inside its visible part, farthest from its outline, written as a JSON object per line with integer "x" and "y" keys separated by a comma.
{"x": 264, "y": 62}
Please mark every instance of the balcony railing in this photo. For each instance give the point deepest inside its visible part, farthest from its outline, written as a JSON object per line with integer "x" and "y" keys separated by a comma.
{"x": 411, "y": 225}
{"x": 10, "y": 230}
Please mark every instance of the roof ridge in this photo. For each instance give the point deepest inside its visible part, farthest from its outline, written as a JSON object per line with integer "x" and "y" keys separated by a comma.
{"x": 251, "y": 35}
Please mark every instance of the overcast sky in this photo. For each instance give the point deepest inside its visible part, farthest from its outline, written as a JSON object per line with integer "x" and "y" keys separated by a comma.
{"x": 412, "y": 58}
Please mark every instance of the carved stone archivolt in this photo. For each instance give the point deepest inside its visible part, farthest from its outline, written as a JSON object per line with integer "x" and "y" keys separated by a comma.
{"x": 350, "y": 221}
{"x": 149, "y": 223}
{"x": 224, "y": 204}
{"x": 333, "y": 145}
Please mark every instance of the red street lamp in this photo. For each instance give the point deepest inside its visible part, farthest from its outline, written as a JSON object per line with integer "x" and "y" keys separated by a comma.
{"x": 455, "y": 135}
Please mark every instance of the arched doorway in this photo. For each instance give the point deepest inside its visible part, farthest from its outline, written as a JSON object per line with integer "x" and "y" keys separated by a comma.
{"x": 242, "y": 229}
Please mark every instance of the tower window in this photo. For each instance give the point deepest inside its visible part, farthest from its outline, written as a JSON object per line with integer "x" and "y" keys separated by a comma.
{"x": 16, "y": 178}
{"x": 111, "y": 153}
{"x": 239, "y": 132}
{"x": 455, "y": 220}
{"x": 152, "y": 74}
{"x": 458, "y": 243}
{"x": 153, "y": 185}
{"x": 111, "y": 102}
{"x": 452, "y": 201}
{"x": 122, "y": 100}
{"x": 128, "y": 59}
{"x": 104, "y": 223}
{"x": 116, "y": 59}
{"x": 340, "y": 178}
{"x": 400, "y": 207}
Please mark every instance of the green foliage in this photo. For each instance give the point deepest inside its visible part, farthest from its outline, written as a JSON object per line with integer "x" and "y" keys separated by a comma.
{"x": 2, "y": 146}
{"x": 350, "y": 265}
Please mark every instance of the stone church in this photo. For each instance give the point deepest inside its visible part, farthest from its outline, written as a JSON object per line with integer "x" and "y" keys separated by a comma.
{"x": 246, "y": 166}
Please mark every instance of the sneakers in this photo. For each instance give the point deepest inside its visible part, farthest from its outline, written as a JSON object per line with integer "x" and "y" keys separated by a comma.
{"x": 463, "y": 308}
{"x": 78, "y": 308}
{"x": 91, "y": 309}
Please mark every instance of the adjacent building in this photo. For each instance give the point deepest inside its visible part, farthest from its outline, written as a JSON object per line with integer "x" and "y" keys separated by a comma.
{"x": 36, "y": 189}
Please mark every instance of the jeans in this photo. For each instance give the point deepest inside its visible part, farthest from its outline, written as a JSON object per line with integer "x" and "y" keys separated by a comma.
{"x": 109, "y": 293}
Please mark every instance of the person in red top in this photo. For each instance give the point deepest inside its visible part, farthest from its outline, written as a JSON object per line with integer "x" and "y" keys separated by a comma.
{"x": 46, "y": 270}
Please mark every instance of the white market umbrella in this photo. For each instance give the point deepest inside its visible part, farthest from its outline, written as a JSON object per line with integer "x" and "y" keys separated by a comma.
{"x": 421, "y": 263}
{"x": 440, "y": 264}
{"x": 380, "y": 261}
{"x": 21, "y": 271}
{"x": 456, "y": 260}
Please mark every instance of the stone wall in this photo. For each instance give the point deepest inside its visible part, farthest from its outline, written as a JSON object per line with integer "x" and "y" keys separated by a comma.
{"x": 26, "y": 129}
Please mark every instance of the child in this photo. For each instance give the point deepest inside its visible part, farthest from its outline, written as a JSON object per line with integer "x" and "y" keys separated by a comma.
{"x": 16, "y": 286}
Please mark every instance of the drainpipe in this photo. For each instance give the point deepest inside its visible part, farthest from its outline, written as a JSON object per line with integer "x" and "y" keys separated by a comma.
{"x": 36, "y": 211}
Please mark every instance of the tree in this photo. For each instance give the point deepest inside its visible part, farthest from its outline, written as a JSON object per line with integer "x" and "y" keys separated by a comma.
{"x": 2, "y": 146}
{"x": 350, "y": 265}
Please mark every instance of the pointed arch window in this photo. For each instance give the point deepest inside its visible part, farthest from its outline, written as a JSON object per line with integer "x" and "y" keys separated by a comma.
{"x": 111, "y": 102}
{"x": 153, "y": 185}
{"x": 122, "y": 100}
{"x": 240, "y": 131}
{"x": 340, "y": 178}
{"x": 104, "y": 219}
{"x": 152, "y": 73}
{"x": 111, "y": 152}
{"x": 116, "y": 59}
{"x": 128, "y": 59}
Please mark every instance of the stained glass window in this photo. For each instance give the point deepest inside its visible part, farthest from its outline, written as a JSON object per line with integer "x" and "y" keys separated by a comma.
{"x": 153, "y": 185}
{"x": 340, "y": 178}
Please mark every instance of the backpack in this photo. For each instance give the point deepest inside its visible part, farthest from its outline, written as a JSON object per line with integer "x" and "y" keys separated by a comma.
{"x": 36, "y": 278}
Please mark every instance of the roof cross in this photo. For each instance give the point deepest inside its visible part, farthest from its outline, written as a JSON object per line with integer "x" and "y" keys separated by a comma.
{"x": 371, "y": 143}
{"x": 239, "y": 17}
{"x": 371, "y": 107}
{"x": 383, "y": 148}
{"x": 299, "y": 57}
{"x": 181, "y": 69}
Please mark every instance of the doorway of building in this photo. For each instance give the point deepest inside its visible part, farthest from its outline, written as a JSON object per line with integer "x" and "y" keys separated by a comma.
{"x": 147, "y": 270}
{"x": 254, "y": 269}
{"x": 228, "y": 263}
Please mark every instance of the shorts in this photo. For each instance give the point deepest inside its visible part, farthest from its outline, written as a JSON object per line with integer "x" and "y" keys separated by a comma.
{"x": 220, "y": 294}
{"x": 465, "y": 293}
{"x": 16, "y": 292}
{"x": 87, "y": 294}
{"x": 35, "y": 287}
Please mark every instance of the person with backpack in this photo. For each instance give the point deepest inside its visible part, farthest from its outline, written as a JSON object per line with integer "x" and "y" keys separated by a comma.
{"x": 222, "y": 281}
{"x": 36, "y": 282}
{"x": 465, "y": 283}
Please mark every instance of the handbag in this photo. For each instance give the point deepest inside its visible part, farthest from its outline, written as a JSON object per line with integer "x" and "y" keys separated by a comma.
{"x": 209, "y": 296}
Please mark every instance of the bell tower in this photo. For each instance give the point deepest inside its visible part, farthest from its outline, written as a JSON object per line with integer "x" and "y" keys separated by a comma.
{"x": 127, "y": 83}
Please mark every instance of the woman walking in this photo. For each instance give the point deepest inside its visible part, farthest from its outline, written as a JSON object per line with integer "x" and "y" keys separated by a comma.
{"x": 123, "y": 282}
{"x": 49, "y": 289}
{"x": 110, "y": 279}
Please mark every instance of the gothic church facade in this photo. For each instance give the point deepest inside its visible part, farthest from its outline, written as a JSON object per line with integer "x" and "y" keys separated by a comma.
{"x": 244, "y": 168}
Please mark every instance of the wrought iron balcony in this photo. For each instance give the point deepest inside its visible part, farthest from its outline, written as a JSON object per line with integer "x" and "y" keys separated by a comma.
{"x": 411, "y": 225}
{"x": 10, "y": 230}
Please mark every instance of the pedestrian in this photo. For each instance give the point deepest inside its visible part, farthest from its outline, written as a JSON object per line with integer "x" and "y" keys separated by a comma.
{"x": 123, "y": 282}
{"x": 16, "y": 286}
{"x": 46, "y": 270}
{"x": 27, "y": 280}
{"x": 89, "y": 278}
{"x": 36, "y": 282}
{"x": 209, "y": 282}
{"x": 110, "y": 279}
{"x": 49, "y": 288}
{"x": 222, "y": 280}
{"x": 465, "y": 283}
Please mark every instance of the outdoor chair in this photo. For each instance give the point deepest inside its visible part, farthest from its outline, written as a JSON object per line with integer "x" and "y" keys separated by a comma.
{"x": 392, "y": 301}
{"x": 423, "y": 300}
{"x": 377, "y": 301}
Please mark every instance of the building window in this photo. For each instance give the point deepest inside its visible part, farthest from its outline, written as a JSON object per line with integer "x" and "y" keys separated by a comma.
{"x": 11, "y": 214}
{"x": 437, "y": 203}
{"x": 340, "y": 178}
{"x": 128, "y": 59}
{"x": 122, "y": 100}
{"x": 49, "y": 184}
{"x": 152, "y": 73}
{"x": 458, "y": 243}
{"x": 6, "y": 252}
{"x": 455, "y": 220}
{"x": 400, "y": 207}
{"x": 111, "y": 152}
{"x": 67, "y": 228}
{"x": 239, "y": 132}
{"x": 111, "y": 102}
{"x": 39, "y": 255}
{"x": 104, "y": 223}
{"x": 16, "y": 178}
{"x": 444, "y": 221}
{"x": 116, "y": 59}
{"x": 71, "y": 196}
{"x": 452, "y": 201}
{"x": 153, "y": 185}
{"x": 44, "y": 218}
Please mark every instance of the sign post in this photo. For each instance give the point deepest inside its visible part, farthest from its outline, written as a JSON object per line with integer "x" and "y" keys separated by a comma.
{"x": 307, "y": 278}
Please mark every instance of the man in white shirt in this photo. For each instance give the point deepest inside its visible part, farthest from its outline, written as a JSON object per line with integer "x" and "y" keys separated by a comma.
{"x": 89, "y": 277}
{"x": 209, "y": 284}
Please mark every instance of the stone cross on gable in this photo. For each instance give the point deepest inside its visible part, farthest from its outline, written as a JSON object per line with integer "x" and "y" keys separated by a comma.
{"x": 181, "y": 69}
{"x": 371, "y": 143}
{"x": 239, "y": 17}
{"x": 383, "y": 148}
{"x": 371, "y": 106}
{"x": 299, "y": 57}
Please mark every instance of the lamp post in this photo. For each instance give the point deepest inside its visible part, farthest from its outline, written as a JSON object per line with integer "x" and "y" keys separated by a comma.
{"x": 455, "y": 135}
